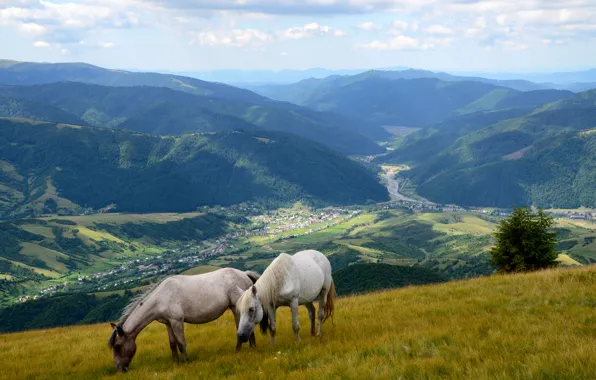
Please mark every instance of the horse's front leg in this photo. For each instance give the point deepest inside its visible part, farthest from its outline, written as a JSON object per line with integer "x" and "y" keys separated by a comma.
{"x": 173, "y": 343}
{"x": 295, "y": 323}
{"x": 272, "y": 325}
{"x": 252, "y": 340}
{"x": 237, "y": 321}
{"x": 178, "y": 329}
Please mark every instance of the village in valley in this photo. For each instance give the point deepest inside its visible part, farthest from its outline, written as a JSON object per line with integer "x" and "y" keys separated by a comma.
{"x": 265, "y": 227}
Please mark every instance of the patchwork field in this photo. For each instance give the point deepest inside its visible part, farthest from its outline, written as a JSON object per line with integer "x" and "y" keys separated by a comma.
{"x": 532, "y": 326}
{"x": 67, "y": 248}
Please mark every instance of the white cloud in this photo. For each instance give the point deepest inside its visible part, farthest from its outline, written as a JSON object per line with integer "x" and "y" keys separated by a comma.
{"x": 284, "y": 54}
{"x": 105, "y": 45}
{"x": 65, "y": 52}
{"x": 309, "y": 30}
{"x": 441, "y": 42}
{"x": 41, "y": 44}
{"x": 438, "y": 29}
{"x": 368, "y": 26}
{"x": 400, "y": 24}
{"x": 32, "y": 28}
{"x": 511, "y": 45}
{"x": 65, "y": 22}
{"x": 231, "y": 38}
{"x": 396, "y": 43}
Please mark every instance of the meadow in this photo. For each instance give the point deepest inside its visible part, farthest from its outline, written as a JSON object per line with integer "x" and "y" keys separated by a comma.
{"x": 529, "y": 326}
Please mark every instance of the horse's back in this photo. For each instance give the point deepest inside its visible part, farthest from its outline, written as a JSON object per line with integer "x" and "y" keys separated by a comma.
{"x": 315, "y": 273}
{"x": 318, "y": 257}
{"x": 205, "y": 297}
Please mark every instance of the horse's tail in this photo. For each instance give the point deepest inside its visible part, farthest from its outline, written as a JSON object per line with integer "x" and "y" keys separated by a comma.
{"x": 254, "y": 276}
{"x": 329, "y": 304}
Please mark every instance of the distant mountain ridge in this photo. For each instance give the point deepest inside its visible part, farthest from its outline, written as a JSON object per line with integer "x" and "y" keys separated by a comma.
{"x": 543, "y": 157}
{"x": 410, "y": 98}
{"x": 143, "y": 109}
{"x": 49, "y": 167}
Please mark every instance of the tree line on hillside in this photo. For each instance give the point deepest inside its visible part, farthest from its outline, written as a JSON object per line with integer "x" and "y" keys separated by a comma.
{"x": 95, "y": 168}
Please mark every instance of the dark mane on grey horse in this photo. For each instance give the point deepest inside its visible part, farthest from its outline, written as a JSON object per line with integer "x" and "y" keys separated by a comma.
{"x": 254, "y": 276}
{"x": 129, "y": 309}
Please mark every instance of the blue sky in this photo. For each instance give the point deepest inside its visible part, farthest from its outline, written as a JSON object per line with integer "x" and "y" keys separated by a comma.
{"x": 186, "y": 35}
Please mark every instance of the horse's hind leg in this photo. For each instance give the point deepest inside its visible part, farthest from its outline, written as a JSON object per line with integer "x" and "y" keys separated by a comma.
{"x": 173, "y": 342}
{"x": 178, "y": 329}
{"x": 322, "y": 302}
{"x": 311, "y": 315}
{"x": 295, "y": 322}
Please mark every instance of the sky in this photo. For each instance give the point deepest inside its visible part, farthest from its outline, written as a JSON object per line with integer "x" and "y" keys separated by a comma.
{"x": 195, "y": 35}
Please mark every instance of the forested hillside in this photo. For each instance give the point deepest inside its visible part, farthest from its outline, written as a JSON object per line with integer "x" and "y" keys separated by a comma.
{"x": 545, "y": 158}
{"x": 366, "y": 278}
{"x": 397, "y": 99}
{"x": 159, "y": 110}
{"x": 48, "y": 167}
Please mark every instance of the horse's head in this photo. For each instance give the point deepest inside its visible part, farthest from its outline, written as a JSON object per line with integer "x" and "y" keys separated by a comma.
{"x": 251, "y": 312}
{"x": 123, "y": 346}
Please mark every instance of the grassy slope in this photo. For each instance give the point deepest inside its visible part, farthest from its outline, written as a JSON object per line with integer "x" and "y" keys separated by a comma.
{"x": 538, "y": 325}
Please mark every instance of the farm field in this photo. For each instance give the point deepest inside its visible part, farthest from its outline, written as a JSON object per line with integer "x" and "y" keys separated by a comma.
{"x": 529, "y": 326}
{"x": 65, "y": 249}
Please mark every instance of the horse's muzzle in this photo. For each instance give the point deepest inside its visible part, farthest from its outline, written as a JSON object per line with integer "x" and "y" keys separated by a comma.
{"x": 243, "y": 337}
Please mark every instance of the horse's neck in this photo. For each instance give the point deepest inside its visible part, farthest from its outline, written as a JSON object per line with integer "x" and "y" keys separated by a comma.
{"x": 271, "y": 285}
{"x": 140, "y": 317}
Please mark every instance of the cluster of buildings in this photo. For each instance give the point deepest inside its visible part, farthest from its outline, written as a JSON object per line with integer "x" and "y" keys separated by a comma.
{"x": 574, "y": 214}
{"x": 293, "y": 221}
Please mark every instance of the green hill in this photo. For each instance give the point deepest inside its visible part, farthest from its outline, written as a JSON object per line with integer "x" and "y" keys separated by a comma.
{"x": 364, "y": 278}
{"x": 165, "y": 111}
{"x": 24, "y": 109}
{"x": 32, "y": 73}
{"x": 544, "y": 158}
{"x": 393, "y": 98}
{"x": 49, "y": 167}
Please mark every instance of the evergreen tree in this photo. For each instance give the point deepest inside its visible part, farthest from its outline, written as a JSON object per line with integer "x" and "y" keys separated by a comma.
{"x": 524, "y": 242}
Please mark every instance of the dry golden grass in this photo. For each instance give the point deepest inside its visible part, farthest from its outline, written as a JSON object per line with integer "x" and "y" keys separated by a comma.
{"x": 535, "y": 326}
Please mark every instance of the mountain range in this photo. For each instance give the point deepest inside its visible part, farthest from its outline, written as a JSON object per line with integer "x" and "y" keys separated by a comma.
{"x": 60, "y": 168}
{"x": 409, "y": 98}
{"x": 544, "y": 157}
{"x": 167, "y": 142}
{"x": 102, "y": 97}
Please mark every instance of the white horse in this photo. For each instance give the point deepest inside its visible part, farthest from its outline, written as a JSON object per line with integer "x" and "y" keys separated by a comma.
{"x": 288, "y": 281}
{"x": 177, "y": 299}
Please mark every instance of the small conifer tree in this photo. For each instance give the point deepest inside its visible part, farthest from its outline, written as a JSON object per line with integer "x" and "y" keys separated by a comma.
{"x": 524, "y": 242}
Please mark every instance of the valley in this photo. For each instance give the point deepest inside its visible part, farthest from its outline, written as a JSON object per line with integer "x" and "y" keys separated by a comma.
{"x": 109, "y": 181}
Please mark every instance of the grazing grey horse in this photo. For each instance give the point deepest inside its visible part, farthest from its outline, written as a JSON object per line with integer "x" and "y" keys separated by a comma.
{"x": 177, "y": 299}
{"x": 288, "y": 281}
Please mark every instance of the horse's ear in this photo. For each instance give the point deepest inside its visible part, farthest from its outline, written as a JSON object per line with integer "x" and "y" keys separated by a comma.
{"x": 119, "y": 331}
{"x": 254, "y": 290}
{"x": 113, "y": 325}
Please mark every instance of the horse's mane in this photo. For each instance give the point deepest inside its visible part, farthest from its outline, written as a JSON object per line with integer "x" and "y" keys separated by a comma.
{"x": 127, "y": 311}
{"x": 269, "y": 284}
{"x": 254, "y": 276}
